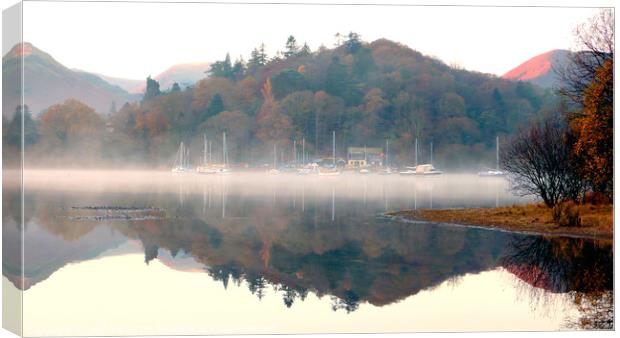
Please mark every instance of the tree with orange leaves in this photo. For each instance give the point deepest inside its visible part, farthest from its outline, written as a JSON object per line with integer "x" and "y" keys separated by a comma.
{"x": 272, "y": 126}
{"x": 594, "y": 129}
{"x": 588, "y": 82}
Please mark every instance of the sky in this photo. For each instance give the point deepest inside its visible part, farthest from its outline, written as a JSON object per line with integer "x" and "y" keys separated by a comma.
{"x": 134, "y": 40}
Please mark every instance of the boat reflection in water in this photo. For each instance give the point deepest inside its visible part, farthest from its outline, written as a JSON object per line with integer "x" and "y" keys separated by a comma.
{"x": 314, "y": 248}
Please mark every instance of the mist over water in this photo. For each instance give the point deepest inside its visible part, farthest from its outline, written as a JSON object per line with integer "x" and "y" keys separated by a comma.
{"x": 274, "y": 250}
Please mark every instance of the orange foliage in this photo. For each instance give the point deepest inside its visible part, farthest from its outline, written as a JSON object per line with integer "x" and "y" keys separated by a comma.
{"x": 153, "y": 122}
{"x": 594, "y": 129}
{"x": 70, "y": 121}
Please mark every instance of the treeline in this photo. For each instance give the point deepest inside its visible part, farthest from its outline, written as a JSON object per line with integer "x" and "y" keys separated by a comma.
{"x": 367, "y": 92}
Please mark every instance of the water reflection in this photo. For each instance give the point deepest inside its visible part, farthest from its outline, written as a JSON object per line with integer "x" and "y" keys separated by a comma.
{"x": 582, "y": 268}
{"x": 332, "y": 245}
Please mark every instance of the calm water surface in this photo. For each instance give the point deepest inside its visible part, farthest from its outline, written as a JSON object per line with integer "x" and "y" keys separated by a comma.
{"x": 111, "y": 253}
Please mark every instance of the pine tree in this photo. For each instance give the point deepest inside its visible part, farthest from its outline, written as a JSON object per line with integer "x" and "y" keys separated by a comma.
{"x": 291, "y": 47}
{"x": 305, "y": 50}
{"x": 152, "y": 89}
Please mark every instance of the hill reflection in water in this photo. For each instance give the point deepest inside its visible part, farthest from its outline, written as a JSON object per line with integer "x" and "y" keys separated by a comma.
{"x": 295, "y": 237}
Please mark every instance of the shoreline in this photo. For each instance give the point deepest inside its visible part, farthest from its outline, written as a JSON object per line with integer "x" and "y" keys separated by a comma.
{"x": 529, "y": 219}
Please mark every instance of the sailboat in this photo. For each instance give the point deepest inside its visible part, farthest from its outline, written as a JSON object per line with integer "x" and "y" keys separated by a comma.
{"x": 387, "y": 170}
{"x": 223, "y": 170}
{"x": 305, "y": 169}
{"x": 426, "y": 169}
{"x": 410, "y": 171}
{"x": 334, "y": 170}
{"x": 364, "y": 170}
{"x": 181, "y": 161}
{"x": 274, "y": 170}
{"x": 494, "y": 172}
{"x": 205, "y": 167}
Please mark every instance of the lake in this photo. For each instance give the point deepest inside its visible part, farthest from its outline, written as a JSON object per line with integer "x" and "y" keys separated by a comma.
{"x": 151, "y": 253}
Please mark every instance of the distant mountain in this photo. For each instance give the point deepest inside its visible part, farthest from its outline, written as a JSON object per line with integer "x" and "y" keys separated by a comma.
{"x": 539, "y": 70}
{"x": 185, "y": 74}
{"x": 129, "y": 85}
{"x": 48, "y": 82}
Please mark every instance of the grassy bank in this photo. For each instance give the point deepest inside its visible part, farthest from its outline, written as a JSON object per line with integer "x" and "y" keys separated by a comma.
{"x": 596, "y": 220}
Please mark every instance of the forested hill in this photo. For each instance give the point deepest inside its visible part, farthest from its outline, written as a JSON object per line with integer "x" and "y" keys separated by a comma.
{"x": 366, "y": 92}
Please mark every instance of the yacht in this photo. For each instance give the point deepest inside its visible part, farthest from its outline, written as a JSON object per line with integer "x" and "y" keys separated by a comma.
{"x": 494, "y": 172}
{"x": 181, "y": 161}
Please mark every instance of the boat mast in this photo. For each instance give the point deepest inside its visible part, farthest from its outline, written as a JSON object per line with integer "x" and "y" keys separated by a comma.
{"x": 187, "y": 158}
{"x": 275, "y": 156}
{"x": 204, "y": 150}
{"x": 303, "y": 151}
{"x": 496, "y": 152}
{"x": 416, "y": 152}
{"x": 224, "y": 155}
{"x": 365, "y": 156}
{"x": 334, "y": 148}
{"x": 295, "y": 152}
{"x": 181, "y": 155}
{"x": 387, "y": 153}
{"x": 431, "y": 152}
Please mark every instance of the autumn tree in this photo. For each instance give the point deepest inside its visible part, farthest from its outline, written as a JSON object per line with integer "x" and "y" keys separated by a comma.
{"x": 72, "y": 126}
{"x": 299, "y": 106}
{"x": 271, "y": 125}
{"x": 588, "y": 83}
{"x": 594, "y": 128}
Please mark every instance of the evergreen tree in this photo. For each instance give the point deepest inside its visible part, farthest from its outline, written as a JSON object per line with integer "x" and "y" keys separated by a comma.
{"x": 227, "y": 66}
{"x": 258, "y": 58}
{"x": 363, "y": 62}
{"x": 14, "y": 131}
{"x": 215, "y": 107}
{"x": 336, "y": 80}
{"x": 238, "y": 70}
{"x": 353, "y": 43}
{"x": 305, "y": 50}
{"x": 291, "y": 47}
{"x": 222, "y": 68}
{"x": 152, "y": 89}
{"x": 175, "y": 88}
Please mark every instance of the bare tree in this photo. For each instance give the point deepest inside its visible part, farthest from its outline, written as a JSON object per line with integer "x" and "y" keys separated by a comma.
{"x": 595, "y": 45}
{"x": 540, "y": 162}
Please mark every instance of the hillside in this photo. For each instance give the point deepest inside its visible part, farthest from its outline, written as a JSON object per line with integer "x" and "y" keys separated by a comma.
{"x": 539, "y": 70}
{"x": 367, "y": 92}
{"x": 48, "y": 82}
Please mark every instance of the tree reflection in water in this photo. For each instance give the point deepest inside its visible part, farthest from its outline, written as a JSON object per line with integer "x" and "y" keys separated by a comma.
{"x": 582, "y": 268}
{"x": 355, "y": 259}
{"x": 349, "y": 303}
